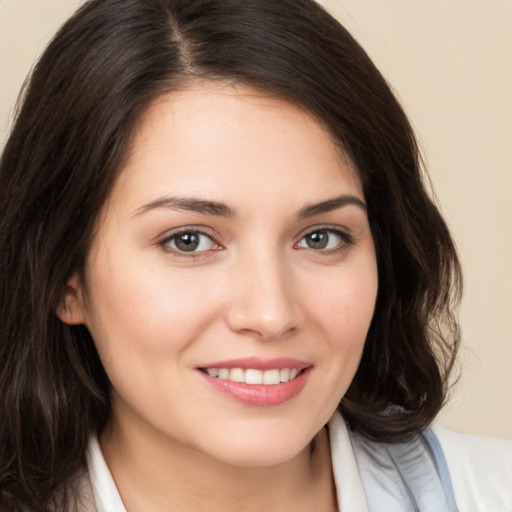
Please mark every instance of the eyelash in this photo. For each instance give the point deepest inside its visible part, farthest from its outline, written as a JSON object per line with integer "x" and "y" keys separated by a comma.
{"x": 188, "y": 254}
{"x": 347, "y": 240}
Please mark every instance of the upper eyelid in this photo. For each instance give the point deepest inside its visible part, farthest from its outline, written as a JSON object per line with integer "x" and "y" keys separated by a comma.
{"x": 163, "y": 244}
{"x": 169, "y": 235}
{"x": 347, "y": 238}
{"x": 325, "y": 227}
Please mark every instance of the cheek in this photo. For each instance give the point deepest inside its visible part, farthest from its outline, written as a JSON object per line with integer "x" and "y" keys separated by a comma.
{"x": 138, "y": 313}
{"x": 347, "y": 305}
{"x": 340, "y": 310}
{"x": 143, "y": 325}
{"x": 344, "y": 313}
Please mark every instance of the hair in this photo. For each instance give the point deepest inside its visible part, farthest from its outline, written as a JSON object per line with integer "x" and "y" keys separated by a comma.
{"x": 72, "y": 130}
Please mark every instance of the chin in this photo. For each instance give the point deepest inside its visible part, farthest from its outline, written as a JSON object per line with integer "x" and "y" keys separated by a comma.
{"x": 259, "y": 450}
{"x": 258, "y": 458}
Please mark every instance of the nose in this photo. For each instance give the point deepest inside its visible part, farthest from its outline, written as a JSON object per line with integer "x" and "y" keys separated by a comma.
{"x": 263, "y": 299}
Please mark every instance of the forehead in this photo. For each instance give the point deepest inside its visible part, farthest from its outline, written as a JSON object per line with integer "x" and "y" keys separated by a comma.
{"x": 215, "y": 139}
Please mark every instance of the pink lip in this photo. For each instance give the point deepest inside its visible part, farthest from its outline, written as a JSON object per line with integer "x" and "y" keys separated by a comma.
{"x": 260, "y": 364}
{"x": 260, "y": 395}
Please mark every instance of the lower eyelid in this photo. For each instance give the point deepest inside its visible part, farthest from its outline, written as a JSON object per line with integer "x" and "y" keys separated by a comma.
{"x": 167, "y": 240}
{"x": 346, "y": 239}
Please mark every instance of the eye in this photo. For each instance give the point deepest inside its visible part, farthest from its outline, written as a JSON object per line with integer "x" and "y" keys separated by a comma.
{"x": 189, "y": 241}
{"x": 325, "y": 240}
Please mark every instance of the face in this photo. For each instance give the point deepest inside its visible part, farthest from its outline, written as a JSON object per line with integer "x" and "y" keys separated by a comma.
{"x": 232, "y": 278}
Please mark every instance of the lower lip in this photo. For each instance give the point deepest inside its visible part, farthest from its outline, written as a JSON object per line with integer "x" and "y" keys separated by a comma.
{"x": 259, "y": 395}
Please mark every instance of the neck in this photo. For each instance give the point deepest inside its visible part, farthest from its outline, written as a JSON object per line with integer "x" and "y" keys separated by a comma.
{"x": 157, "y": 474}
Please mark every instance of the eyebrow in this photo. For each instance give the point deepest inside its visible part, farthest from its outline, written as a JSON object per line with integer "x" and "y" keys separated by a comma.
{"x": 189, "y": 204}
{"x": 330, "y": 205}
{"x": 222, "y": 210}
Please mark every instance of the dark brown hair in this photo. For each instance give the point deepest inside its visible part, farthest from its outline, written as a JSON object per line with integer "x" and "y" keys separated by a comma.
{"x": 71, "y": 132}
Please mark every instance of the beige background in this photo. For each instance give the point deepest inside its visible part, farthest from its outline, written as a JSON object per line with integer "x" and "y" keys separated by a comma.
{"x": 451, "y": 63}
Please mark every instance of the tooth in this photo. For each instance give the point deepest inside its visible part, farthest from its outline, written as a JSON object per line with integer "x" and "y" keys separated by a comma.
{"x": 237, "y": 375}
{"x": 253, "y": 376}
{"x": 271, "y": 377}
{"x": 284, "y": 375}
{"x": 223, "y": 373}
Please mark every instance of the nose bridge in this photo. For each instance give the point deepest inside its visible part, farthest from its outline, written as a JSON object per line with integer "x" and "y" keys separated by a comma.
{"x": 263, "y": 301}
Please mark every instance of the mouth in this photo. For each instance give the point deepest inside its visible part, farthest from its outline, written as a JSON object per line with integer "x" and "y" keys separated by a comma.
{"x": 258, "y": 382}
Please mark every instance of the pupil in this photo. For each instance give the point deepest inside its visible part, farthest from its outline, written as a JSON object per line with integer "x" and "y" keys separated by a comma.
{"x": 317, "y": 240}
{"x": 187, "y": 242}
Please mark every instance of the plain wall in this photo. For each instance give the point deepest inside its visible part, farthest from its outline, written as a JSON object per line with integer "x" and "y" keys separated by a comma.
{"x": 451, "y": 65}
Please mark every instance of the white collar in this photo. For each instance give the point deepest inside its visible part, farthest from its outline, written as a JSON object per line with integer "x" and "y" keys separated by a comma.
{"x": 349, "y": 489}
{"x": 106, "y": 495}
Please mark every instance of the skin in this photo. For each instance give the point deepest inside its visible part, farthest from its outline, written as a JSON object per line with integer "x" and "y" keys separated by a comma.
{"x": 254, "y": 288}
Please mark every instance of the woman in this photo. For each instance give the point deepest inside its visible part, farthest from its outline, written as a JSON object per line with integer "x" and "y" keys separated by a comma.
{"x": 223, "y": 284}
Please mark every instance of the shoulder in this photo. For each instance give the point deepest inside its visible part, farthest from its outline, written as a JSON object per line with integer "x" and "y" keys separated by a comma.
{"x": 480, "y": 469}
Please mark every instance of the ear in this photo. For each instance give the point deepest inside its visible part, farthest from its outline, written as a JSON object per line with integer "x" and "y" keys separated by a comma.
{"x": 71, "y": 309}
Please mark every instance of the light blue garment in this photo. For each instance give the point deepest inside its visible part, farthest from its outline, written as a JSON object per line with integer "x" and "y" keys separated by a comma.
{"x": 404, "y": 477}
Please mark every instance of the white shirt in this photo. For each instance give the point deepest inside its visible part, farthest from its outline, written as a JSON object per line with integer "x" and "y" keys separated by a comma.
{"x": 480, "y": 469}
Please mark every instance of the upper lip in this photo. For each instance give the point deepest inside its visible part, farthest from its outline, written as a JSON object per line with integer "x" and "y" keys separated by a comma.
{"x": 259, "y": 364}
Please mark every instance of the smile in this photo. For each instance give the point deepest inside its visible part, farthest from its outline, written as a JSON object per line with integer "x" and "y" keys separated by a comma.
{"x": 254, "y": 376}
{"x": 257, "y": 382}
